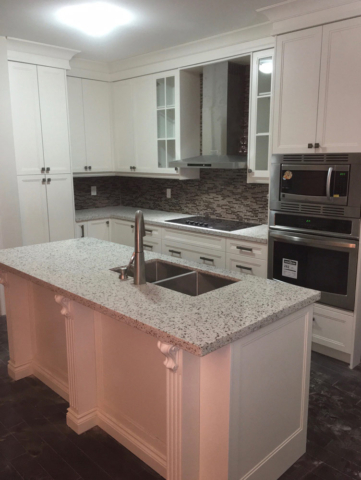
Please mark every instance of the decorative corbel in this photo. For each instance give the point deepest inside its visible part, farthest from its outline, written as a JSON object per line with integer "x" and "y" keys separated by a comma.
{"x": 65, "y": 306}
{"x": 170, "y": 353}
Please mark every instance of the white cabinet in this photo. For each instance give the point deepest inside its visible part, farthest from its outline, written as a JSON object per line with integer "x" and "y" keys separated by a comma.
{"x": 90, "y": 125}
{"x": 77, "y": 127}
{"x": 25, "y": 108}
{"x": 124, "y": 144}
{"x": 298, "y": 56}
{"x": 54, "y": 119}
{"x": 122, "y": 232}
{"x": 246, "y": 257}
{"x": 196, "y": 254}
{"x": 333, "y": 328}
{"x": 260, "y": 117}
{"x": 46, "y": 208}
{"x": 99, "y": 229}
{"x": 317, "y": 94}
{"x": 40, "y": 119}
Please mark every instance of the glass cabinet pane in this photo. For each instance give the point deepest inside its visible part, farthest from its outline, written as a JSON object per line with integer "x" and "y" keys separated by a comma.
{"x": 170, "y": 150}
{"x": 263, "y": 114}
{"x": 161, "y": 123}
{"x": 265, "y": 68}
{"x": 161, "y": 92}
{"x": 170, "y": 123}
{"x": 162, "y": 154}
{"x": 262, "y": 152}
{"x": 170, "y": 91}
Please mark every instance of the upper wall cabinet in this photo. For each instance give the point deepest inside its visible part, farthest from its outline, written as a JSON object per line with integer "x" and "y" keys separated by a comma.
{"x": 317, "y": 94}
{"x": 90, "y": 125}
{"x": 147, "y": 125}
{"x": 40, "y": 119}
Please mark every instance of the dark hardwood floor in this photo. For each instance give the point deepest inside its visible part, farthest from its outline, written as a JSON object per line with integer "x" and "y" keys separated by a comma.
{"x": 36, "y": 444}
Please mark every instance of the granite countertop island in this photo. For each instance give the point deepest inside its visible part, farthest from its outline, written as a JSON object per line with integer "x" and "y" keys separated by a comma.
{"x": 188, "y": 384}
{"x": 257, "y": 234}
{"x": 80, "y": 269}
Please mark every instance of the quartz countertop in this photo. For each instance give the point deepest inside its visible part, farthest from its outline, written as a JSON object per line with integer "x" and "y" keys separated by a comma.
{"x": 257, "y": 234}
{"x": 79, "y": 270}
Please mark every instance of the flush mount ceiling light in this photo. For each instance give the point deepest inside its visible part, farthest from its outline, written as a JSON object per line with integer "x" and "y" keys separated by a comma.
{"x": 266, "y": 66}
{"x": 95, "y": 19}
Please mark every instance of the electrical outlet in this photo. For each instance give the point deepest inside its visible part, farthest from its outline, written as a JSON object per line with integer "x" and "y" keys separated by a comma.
{"x": 93, "y": 190}
{"x": 169, "y": 193}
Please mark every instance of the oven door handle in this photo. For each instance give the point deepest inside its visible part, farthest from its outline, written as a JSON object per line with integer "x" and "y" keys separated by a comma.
{"x": 313, "y": 242}
{"x": 328, "y": 183}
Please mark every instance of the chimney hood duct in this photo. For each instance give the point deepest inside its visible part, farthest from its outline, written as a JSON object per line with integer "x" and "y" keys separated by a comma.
{"x": 223, "y": 114}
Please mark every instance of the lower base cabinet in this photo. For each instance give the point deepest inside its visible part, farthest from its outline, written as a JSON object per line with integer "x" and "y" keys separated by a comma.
{"x": 46, "y": 208}
{"x": 99, "y": 229}
{"x": 243, "y": 264}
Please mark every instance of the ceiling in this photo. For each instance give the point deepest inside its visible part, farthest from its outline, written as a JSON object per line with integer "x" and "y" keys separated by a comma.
{"x": 158, "y": 24}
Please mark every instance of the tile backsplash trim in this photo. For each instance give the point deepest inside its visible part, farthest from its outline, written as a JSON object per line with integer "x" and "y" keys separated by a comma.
{"x": 218, "y": 193}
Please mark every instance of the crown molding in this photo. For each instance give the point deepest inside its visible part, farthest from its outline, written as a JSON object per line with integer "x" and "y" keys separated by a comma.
{"x": 90, "y": 69}
{"x": 39, "y": 53}
{"x": 294, "y": 15}
{"x": 231, "y": 44}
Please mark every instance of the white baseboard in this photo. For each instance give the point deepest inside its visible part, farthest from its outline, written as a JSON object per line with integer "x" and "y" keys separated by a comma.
{"x": 19, "y": 372}
{"x": 81, "y": 423}
{"x": 331, "y": 352}
{"x": 134, "y": 443}
{"x": 56, "y": 384}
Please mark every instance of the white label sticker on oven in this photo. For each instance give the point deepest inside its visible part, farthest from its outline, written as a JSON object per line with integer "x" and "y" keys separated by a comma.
{"x": 289, "y": 268}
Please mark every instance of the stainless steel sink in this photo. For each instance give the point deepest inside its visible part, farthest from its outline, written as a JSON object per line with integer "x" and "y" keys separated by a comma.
{"x": 156, "y": 270}
{"x": 181, "y": 279}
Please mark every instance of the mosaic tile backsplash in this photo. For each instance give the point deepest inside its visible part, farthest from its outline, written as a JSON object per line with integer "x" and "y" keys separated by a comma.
{"x": 218, "y": 193}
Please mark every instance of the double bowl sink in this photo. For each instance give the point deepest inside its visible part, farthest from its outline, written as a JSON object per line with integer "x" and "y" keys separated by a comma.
{"x": 181, "y": 279}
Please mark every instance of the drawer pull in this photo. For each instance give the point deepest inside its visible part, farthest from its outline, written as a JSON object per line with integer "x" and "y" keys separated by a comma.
{"x": 207, "y": 259}
{"x": 246, "y": 249}
{"x": 82, "y": 231}
{"x": 175, "y": 251}
{"x": 244, "y": 268}
{"x": 148, "y": 246}
{"x": 148, "y": 231}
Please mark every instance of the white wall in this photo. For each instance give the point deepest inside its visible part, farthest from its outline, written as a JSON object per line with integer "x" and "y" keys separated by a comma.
{"x": 10, "y": 226}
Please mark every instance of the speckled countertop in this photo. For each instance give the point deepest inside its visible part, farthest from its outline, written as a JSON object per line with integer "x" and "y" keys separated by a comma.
{"x": 156, "y": 217}
{"x": 79, "y": 270}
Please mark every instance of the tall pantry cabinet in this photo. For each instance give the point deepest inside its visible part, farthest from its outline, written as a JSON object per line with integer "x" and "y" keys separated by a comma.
{"x": 42, "y": 152}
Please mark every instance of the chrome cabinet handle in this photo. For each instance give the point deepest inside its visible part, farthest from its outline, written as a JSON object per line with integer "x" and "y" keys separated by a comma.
{"x": 244, "y": 268}
{"x": 148, "y": 231}
{"x": 175, "y": 251}
{"x": 246, "y": 249}
{"x": 328, "y": 183}
{"x": 148, "y": 246}
{"x": 207, "y": 259}
{"x": 82, "y": 231}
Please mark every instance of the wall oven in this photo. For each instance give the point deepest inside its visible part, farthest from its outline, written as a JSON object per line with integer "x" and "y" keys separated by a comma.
{"x": 316, "y": 252}
{"x": 319, "y": 183}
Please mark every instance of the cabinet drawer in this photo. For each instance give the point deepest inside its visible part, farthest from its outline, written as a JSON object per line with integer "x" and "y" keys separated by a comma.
{"x": 199, "y": 255}
{"x": 248, "y": 249}
{"x": 194, "y": 239}
{"x": 244, "y": 264}
{"x": 333, "y": 328}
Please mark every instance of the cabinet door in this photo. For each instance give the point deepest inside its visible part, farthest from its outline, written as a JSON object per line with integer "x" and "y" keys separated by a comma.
{"x": 54, "y": 119}
{"x": 99, "y": 229}
{"x": 59, "y": 190}
{"x": 33, "y": 209}
{"x": 298, "y": 56}
{"x": 124, "y": 140}
{"x": 25, "y": 109}
{"x": 339, "y": 116}
{"x": 97, "y": 118}
{"x": 81, "y": 230}
{"x": 145, "y": 124}
{"x": 77, "y": 128}
{"x": 122, "y": 232}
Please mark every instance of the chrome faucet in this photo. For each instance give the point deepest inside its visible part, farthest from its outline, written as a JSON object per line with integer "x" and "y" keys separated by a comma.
{"x": 137, "y": 259}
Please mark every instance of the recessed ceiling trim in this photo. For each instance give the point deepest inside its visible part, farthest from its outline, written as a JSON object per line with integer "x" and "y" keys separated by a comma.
{"x": 39, "y": 53}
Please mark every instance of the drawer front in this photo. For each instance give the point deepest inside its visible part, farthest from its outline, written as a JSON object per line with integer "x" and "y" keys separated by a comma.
{"x": 197, "y": 240}
{"x": 204, "y": 256}
{"x": 333, "y": 328}
{"x": 249, "y": 249}
{"x": 248, "y": 265}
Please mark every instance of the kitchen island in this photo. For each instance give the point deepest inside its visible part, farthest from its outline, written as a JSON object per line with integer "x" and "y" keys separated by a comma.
{"x": 230, "y": 400}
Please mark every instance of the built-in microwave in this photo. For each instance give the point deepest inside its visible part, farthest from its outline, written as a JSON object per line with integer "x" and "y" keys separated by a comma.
{"x": 329, "y": 182}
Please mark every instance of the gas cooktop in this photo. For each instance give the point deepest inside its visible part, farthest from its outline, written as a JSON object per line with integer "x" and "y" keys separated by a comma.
{"x": 213, "y": 223}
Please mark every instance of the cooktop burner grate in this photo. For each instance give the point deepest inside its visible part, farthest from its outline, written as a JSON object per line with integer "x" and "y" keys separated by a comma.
{"x": 213, "y": 223}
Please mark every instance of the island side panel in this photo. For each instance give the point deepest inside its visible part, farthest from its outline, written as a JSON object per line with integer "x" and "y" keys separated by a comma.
{"x": 18, "y": 313}
{"x": 269, "y": 398}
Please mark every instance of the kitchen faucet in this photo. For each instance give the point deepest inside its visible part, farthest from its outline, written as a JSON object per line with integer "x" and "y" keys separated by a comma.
{"x": 137, "y": 259}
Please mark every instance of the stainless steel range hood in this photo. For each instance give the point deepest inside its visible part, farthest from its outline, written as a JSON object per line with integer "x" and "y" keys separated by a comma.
{"x": 222, "y": 116}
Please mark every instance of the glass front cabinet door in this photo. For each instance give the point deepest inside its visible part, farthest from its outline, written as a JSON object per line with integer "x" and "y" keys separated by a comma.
{"x": 260, "y": 116}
